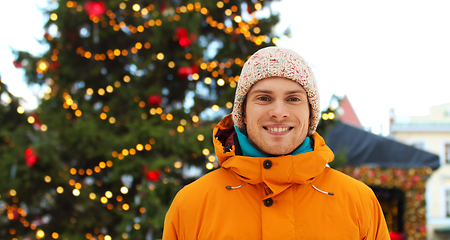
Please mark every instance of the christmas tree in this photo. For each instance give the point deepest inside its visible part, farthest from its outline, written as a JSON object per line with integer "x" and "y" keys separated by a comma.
{"x": 131, "y": 91}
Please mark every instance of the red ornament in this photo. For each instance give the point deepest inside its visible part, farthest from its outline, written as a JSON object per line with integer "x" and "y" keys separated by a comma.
{"x": 154, "y": 175}
{"x": 30, "y": 157}
{"x": 155, "y": 100}
{"x": 184, "y": 42}
{"x": 53, "y": 65}
{"x": 183, "y": 37}
{"x": 422, "y": 228}
{"x": 194, "y": 69}
{"x": 17, "y": 64}
{"x": 163, "y": 7}
{"x": 94, "y": 8}
{"x": 396, "y": 235}
{"x": 250, "y": 9}
{"x": 398, "y": 172}
{"x": 13, "y": 214}
{"x": 184, "y": 72}
{"x": 415, "y": 178}
{"x": 181, "y": 32}
{"x": 418, "y": 197}
{"x": 383, "y": 178}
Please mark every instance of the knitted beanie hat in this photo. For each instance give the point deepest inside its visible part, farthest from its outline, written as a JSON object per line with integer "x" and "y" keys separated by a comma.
{"x": 276, "y": 62}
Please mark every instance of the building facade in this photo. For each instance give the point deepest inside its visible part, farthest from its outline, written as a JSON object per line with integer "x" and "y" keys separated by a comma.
{"x": 431, "y": 133}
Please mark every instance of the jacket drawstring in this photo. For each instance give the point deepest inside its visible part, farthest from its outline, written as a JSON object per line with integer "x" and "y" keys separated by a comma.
{"x": 232, "y": 188}
{"x": 239, "y": 186}
{"x": 328, "y": 193}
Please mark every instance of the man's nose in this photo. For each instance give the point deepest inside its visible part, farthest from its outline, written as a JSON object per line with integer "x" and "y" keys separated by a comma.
{"x": 278, "y": 110}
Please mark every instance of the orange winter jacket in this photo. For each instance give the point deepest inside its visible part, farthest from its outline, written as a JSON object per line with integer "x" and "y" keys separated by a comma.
{"x": 284, "y": 197}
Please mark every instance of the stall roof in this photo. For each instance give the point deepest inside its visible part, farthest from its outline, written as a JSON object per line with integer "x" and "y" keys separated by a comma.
{"x": 365, "y": 148}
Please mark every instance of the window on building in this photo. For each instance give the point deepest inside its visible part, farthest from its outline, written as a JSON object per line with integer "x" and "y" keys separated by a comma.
{"x": 447, "y": 203}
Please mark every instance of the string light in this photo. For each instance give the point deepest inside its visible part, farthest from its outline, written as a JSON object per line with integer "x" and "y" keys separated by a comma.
{"x": 76, "y": 192}
{"x": 40, "y": 234}
{"x": 209, "y": 166}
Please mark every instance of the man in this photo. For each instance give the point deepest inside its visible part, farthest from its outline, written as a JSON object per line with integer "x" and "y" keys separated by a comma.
{"x": 274, "y": 182}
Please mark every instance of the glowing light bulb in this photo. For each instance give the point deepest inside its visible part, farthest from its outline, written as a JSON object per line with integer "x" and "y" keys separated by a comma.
{"x": 209, "y": 166}
{"x": 136, "y": 7}
{"x": 20, "y": 110}
{"x": 200, "y": 137}
{"x": 108, "y": 194}
{"x": 76, "y": 192}
{"x": 40, "y": 234}
{"x": 31, "y": 120}
{"x": 205, "y": 151}
{"x": 331, "y": 116}
{"x": 220, "y": 82}
{"x": 215, "y": 108}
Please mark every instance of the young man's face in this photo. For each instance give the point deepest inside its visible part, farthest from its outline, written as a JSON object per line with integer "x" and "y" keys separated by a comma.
{"x": 276, "y": 115}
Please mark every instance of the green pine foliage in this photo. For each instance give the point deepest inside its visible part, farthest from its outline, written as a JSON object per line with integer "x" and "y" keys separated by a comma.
{"x": 120, "y": 124}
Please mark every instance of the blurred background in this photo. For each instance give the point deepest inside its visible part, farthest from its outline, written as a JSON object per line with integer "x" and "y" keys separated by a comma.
{"x": 107, "y": 107}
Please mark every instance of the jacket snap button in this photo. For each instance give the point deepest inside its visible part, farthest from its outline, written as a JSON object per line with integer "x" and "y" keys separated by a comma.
{"x": 268, "y": 202}
{"x": 267, "y": 164}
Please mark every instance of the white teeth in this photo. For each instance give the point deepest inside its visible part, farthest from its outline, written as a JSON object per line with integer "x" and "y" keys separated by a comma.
{"x": 279, "y": 129}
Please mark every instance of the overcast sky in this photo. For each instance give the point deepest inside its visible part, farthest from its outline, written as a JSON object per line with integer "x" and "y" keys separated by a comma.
{"x": 382, "y": 54}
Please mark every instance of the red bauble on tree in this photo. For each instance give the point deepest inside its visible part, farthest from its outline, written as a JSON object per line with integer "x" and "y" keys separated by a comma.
{"x": 194, "y": 68}
{"x": 94, "y": 8}
{"x": 181, "y": 32}
{"x": 30, "y": 157}
{"x": 155, "y": 100}
{"x": 183, "y": 37}
{"x": 184, "y": 72}
{"x": 184, "y": 42}
{"x": 251, "y": 9}
{"x": 163, "y": 7}
{"x": 396, "y": 235}
{"x": 13, "y": 214}
{"x": 154, "y": 175}
{"x": 17, "y": 64}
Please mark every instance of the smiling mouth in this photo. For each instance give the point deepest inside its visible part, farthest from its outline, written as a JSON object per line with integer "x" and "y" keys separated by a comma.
{"x": 278, "y": 129}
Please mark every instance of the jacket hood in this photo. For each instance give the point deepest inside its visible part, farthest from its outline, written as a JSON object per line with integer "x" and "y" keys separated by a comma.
{"x": 285, "y": 171}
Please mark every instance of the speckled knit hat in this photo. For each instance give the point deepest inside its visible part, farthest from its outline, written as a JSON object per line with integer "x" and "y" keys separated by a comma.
{"x": 276, "y": 62}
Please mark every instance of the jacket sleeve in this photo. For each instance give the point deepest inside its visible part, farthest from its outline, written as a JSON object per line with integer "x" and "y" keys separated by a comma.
{"x": 172, "y": 223}
{"x": 378, "y": 229}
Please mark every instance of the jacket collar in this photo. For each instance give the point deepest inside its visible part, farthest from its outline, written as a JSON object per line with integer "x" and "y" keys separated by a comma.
{"x": 285, "y": 171}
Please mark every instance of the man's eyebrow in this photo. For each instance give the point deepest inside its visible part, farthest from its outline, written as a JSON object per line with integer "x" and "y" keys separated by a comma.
{"x": 296, "y": 91}
{"x": 270, "y": 91}
{"x": 260, "y": 91}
